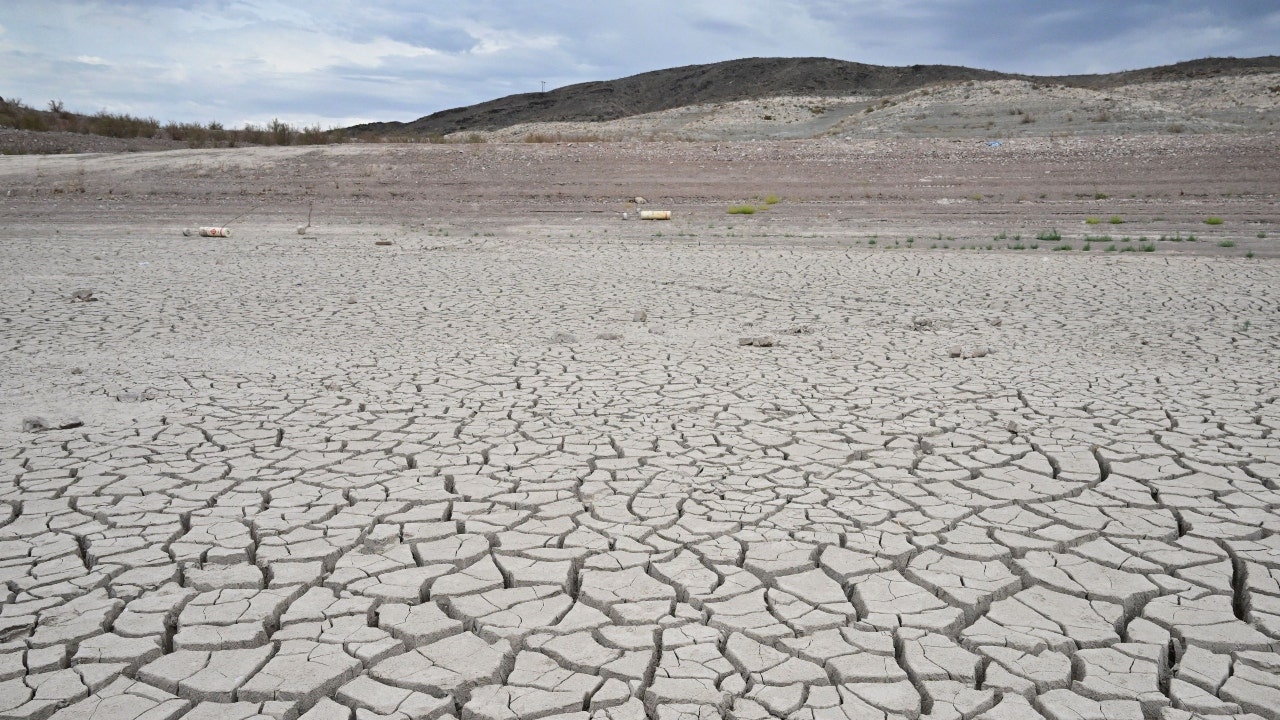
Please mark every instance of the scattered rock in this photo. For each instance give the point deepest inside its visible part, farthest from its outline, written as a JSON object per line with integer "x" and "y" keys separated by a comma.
{"x": 977, "y": 352}
{"x": 922, "y": 323}
{"x": 760, "y": 341}
{"x": 955, "y": 351}
{"x": 36, "y": 423}
{"x": 639, "y": 200}
{"x": 609, "y": 336}
{"x": 996, "y": 322}
{"x": 564, "y": 338}
{"x": 302, "y": 229}
{"x": 84, "y": 295}
{"x": 640, "y": 316}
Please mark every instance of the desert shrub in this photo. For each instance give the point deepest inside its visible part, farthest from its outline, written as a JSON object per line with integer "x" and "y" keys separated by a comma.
{"x": 1227, "y": 243}
{"x": 1116, "y": 220}
{"x": 313, "y": 135}
{"x": 1213, "y": 220}
{"x": 1049, "y": 236}
{"x": 279, "y": 133}
{"x": 742, "y": 209}
{"x": 120, "y": 125}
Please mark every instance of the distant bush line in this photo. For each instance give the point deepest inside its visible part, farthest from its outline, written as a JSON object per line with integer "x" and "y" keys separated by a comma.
{"x": 15, "y": 114}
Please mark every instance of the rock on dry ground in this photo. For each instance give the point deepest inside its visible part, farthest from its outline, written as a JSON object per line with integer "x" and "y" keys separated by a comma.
{"x": 484, "y": 490}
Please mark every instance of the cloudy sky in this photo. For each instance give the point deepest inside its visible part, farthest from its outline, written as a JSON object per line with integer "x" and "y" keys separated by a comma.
{"x": 337, "y": 62}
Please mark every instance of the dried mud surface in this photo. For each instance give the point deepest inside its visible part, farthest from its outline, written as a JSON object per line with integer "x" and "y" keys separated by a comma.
{"x": 531, "y": 460}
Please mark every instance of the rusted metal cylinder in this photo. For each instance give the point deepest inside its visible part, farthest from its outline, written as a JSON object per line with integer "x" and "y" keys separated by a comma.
{"x": 223, "y": 232}
{"x": 655, "y": 214}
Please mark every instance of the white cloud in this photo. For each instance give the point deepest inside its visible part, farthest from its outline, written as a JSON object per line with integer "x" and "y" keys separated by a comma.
{"x": 330, "y": 61}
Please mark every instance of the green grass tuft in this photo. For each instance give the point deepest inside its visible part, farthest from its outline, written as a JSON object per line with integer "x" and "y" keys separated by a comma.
{"x": 1213, "y": 220}
{"x": 742, "y": 209}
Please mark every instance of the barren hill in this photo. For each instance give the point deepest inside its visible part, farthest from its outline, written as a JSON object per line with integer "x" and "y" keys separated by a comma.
{"x": 808, "y": 97}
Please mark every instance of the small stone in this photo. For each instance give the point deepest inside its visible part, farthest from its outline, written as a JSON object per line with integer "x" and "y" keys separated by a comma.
{"x": 38, "y": 424}
{"x": 640, "y": 201}
{"x": 955, "y": 351}
{"x": 640, "y": 316}
{"x": 302, "y": 229}
{"x": 382, "y": 242}
{"x": 563, "y": 338}
{"x": 609, "y": 336}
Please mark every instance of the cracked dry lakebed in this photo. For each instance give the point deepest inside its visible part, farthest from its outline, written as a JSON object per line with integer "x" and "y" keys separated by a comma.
{"x": 526, "y": 459}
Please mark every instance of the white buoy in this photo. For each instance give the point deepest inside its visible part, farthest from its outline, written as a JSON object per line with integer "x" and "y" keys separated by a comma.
{"x": 655, "y": 214}
{"x": 222, "y": 232}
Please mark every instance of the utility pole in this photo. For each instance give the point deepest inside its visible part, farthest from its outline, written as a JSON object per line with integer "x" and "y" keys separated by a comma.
{"x": 544, "y": 86}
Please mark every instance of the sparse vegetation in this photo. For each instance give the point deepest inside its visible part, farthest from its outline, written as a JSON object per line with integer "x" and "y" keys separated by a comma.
{"x": 1147, "y": 247}
{"x": 1262, "y": 235}
{"x": 1049, "y": 236}
{"x": 15, "y": 114}
{"x": 1063, "y": 247}
{"x": 1093, "y": 220}
{"x": 1227, "y": 243}
{"x": 1213, "y": 220}
{"x": 1116, "y": 220}
{"x": 742, "y": 209}
{"x": 541, "y": 137}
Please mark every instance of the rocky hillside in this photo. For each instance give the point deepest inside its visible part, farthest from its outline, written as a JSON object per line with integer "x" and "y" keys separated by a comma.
{"x": 758, "y": 79}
